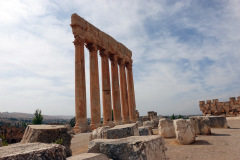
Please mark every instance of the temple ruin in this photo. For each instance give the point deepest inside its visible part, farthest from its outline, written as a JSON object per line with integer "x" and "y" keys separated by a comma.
{"x": 120, "y": 57}
{"x": 214, "y": 107}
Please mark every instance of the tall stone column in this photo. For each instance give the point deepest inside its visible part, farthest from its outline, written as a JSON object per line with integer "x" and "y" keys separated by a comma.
{"x": 115, "y": 90}
{"x": 131, "y": 95}
{"x": 124, "y": 94}
{"x": 94, "y": 87}
{"x": 80, "y": 87}
{"x": 106, "y": 90}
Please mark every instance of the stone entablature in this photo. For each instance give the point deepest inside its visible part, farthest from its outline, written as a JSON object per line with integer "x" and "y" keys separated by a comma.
{"x": 109, "y": 49}
{"x": 214, "y": 107}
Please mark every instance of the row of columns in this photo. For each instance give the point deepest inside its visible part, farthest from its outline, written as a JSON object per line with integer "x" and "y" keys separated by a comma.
{"x": 123, "y": 109}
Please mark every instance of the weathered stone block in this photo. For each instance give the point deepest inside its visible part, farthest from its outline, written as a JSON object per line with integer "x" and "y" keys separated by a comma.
{"x": 148, "y": 123}
{"x": 99, "y": 133}
{"x": 166, "y": 128}
{"x": 145, "y": 131}
{"x": 155, "y": 122}
{"x": 184, "y": 134}
{"x": 218, "y": 122}
{"x": 121, "y": 131}
{"x": 201, "y": 125}
{"x": 139, "y": 123}
{"x": 130, "y": 148}
{"x": 89, "y": 156}
{"x": 30, "y": 151}
{"x": 48, "y": 134}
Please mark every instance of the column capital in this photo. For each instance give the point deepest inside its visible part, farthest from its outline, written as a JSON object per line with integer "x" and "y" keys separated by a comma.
{"x": 129, "y": 65}
{"x": 78, "y": 40}
{"x": 104, "y": 53}
{"x": 91, "y": 47}
{"x": 122, "y": 62}
{"x": 113, "y": 57}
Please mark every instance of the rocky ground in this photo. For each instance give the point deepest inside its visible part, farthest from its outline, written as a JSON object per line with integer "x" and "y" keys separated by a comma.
{"x": 221, "y": 145}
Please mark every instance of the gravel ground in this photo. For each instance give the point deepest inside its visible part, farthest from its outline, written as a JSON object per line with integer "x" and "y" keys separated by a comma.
{"x": 223, "y": 144}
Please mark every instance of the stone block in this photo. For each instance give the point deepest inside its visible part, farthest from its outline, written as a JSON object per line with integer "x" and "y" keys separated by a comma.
{"x": 121, "y": 131}
{"x": 184, "y": 134}
{"x": 130, "y": 148}
{"x": 30, "y": 151}
{"x": 155, "y": 131}
{"x": 139, "y": 123}
{"x": 99, "y": 133}
{"x": 145, "y": 131}
{"x": 148, "y": 123}
{"x": 201, "y": 125}
{"x": 218, "y": 122}
{"x": 48, "y": 134}
{"x": 166, "y": 128}
{"x": 155, "y": 121}
{"x": 89, "y": 156}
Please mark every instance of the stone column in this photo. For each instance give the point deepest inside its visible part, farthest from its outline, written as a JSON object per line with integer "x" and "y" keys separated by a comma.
{"x": 80, "y": 87}
{"x": 106, "y": 90}
{"x": 124, "y": 94}
{"x": 131, "y": 96}
{"x": 115, "y": 90}
{"x": 94, "y": 87}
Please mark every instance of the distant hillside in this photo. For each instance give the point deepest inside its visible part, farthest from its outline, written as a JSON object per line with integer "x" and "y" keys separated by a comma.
{"x": 30, "y": 116}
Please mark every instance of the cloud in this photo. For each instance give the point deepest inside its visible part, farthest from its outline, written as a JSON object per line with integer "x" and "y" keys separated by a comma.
{"x": 183, "y": 51}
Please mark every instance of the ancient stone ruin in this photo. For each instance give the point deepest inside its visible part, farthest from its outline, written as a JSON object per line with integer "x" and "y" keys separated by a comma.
{"x": 214, "y": 107}
{"x": 120, "y": 57}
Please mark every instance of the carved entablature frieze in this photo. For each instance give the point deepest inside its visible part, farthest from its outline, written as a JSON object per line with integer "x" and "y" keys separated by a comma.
{"x": 91, "y": 34}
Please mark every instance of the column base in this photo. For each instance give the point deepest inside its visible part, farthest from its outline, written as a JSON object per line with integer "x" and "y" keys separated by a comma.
{"x": 126, "y": 122}
{"x": 109, "y": 123}
{"x": 119, "y": 122}
{"x": 80, "y": 129}
{"x": 94, "y": 126}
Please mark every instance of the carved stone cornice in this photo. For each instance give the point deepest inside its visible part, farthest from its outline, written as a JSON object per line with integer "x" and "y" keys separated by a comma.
{"x": 78, "y": 41}
{"x": 91, "y": 47}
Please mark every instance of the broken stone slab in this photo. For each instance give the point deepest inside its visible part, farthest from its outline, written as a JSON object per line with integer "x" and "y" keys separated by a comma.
{"x": 201, "y": 125}
{"x": 166, "y": 128}
{"x": 30, "y": 151}
{"x": 48, "y": 134}
{"x": 99, "y": 133}
{"x": 130, "y": 148}
{"x": 218, "y": 122}
{"x": 89, "y": 156}
{"x": 148, "y": 123}
{"x": 183, "y": 129}
{"x": 145, "y": 131}
{"x": 121, "y": 131}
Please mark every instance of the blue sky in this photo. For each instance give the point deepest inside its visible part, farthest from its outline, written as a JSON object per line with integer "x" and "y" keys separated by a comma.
{"x": 183, "y": 51}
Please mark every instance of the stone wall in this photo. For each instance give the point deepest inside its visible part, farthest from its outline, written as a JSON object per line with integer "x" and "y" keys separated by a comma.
{"x": 214, "y": 107}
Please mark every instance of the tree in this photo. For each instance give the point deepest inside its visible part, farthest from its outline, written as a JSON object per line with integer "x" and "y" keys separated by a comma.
{"x": 72, "y": 122}
{"x": 173, "y": 117}
{"x": 179, "y": 116}
{"x": 38, "y": 117}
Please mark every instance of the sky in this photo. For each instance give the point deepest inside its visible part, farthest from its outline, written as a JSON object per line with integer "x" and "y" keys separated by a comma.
{"x": 184, "y": 51}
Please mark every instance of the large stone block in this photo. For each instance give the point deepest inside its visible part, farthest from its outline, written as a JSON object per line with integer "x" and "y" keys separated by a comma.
{"x": 99, "y": 133}
{"x": 130, "y": 148}
{"x": 48, "y": 134}
{"x": 183, "y": 129}
{"x": 121, "y": 131}
{"x": 218, "y": 122}
{"x": 166, "y": 128}
{"x": 89, "y": 156}
{"x": 31, "y": 151}
{"x": 145, "y": 131}
{"x": 204, "y": 125}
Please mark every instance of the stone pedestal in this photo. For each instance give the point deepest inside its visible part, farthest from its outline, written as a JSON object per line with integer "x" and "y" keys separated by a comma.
{"x": 94, "y": 87}
{"x": 80, "y": 87}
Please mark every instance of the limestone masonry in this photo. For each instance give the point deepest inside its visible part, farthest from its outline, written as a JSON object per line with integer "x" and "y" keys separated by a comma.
{"x": 124, "y": 108}
{"x": 214, "y": 107}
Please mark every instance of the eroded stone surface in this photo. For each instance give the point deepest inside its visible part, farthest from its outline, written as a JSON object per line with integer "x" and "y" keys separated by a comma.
{"x": 166, "y": 128}
{"x": 145, "y": 131}
{"x": 48, "y": 134}
{"x": 89, "y": 156}
{"x": 218, "y": 122}
{"x": 201, "y": 125}
{"x": 32, "y": 151}
{"x": 99, "y": 133}
{"x": 130, "y": 148}
{"x": 183, "y": 130}
{"x": 148, "y": 123}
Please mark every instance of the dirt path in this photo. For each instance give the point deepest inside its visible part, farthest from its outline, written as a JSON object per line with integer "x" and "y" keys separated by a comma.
{"x": 223, "y": 144}
{"x": 79, "y": 143}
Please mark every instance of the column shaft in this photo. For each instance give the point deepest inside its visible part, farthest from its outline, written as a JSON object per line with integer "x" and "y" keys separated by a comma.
{"x": 106, "y": 90}
{"x": 124, "y": 94}
{"x": 131, "y": 96}
{"x": 80, "y": 87}
{"x": 115, "y": 91}
{"x": 94, "y": 87}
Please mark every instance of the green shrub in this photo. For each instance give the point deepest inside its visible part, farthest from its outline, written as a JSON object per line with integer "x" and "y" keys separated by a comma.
{"x": 4, "y": 141}
{"x": 59, "y": 141}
